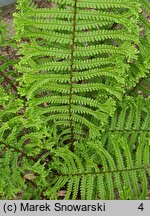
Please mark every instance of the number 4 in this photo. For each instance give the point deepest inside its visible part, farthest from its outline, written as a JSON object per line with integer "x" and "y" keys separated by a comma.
{"x": 141, "y": 207}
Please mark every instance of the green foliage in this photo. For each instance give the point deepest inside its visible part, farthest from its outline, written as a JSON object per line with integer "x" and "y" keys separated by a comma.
{"x": 76, "y": 123}
{"x": 85, "y": 55}
{"x": 96, "y": 174}
{"x": 8, "y": 74}
{"x": 131, "y": 120}
{"x": 139, "y": 79}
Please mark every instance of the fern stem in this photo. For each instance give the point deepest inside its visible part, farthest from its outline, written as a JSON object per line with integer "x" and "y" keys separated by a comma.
{"x": 21, "y": 152}
{"x": 146, "y": 168}
{"x": 71, "y": 71}
{"x": 35, "y": 159}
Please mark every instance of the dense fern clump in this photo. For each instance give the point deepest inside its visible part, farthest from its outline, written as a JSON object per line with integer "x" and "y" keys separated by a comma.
{"x": 79, "y": 117}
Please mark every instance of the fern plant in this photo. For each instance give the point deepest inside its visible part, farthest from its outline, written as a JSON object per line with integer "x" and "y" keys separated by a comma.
{"x": 74, "y": 56}
{"x": 97, "y": 174}
{"x": 140, "y": 70}
{"x": 77, "y": 123}
{"x": 15, "y": 128}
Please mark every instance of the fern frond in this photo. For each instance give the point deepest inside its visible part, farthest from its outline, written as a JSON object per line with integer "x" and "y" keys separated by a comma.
{"x": 139, "y": 69}
{"x": 71, "y": 52}
{"x": 81, "y": 175}
{"x": 132, "y": 120}
{"x": 22, "y": 139}
{"x": 7, "y": 72}
{"x": 145, "y": 5}
{"x": 10, "y": 178}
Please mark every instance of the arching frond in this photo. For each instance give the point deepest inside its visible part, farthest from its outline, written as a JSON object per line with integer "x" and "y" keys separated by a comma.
{"x": 99, "y": 174}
